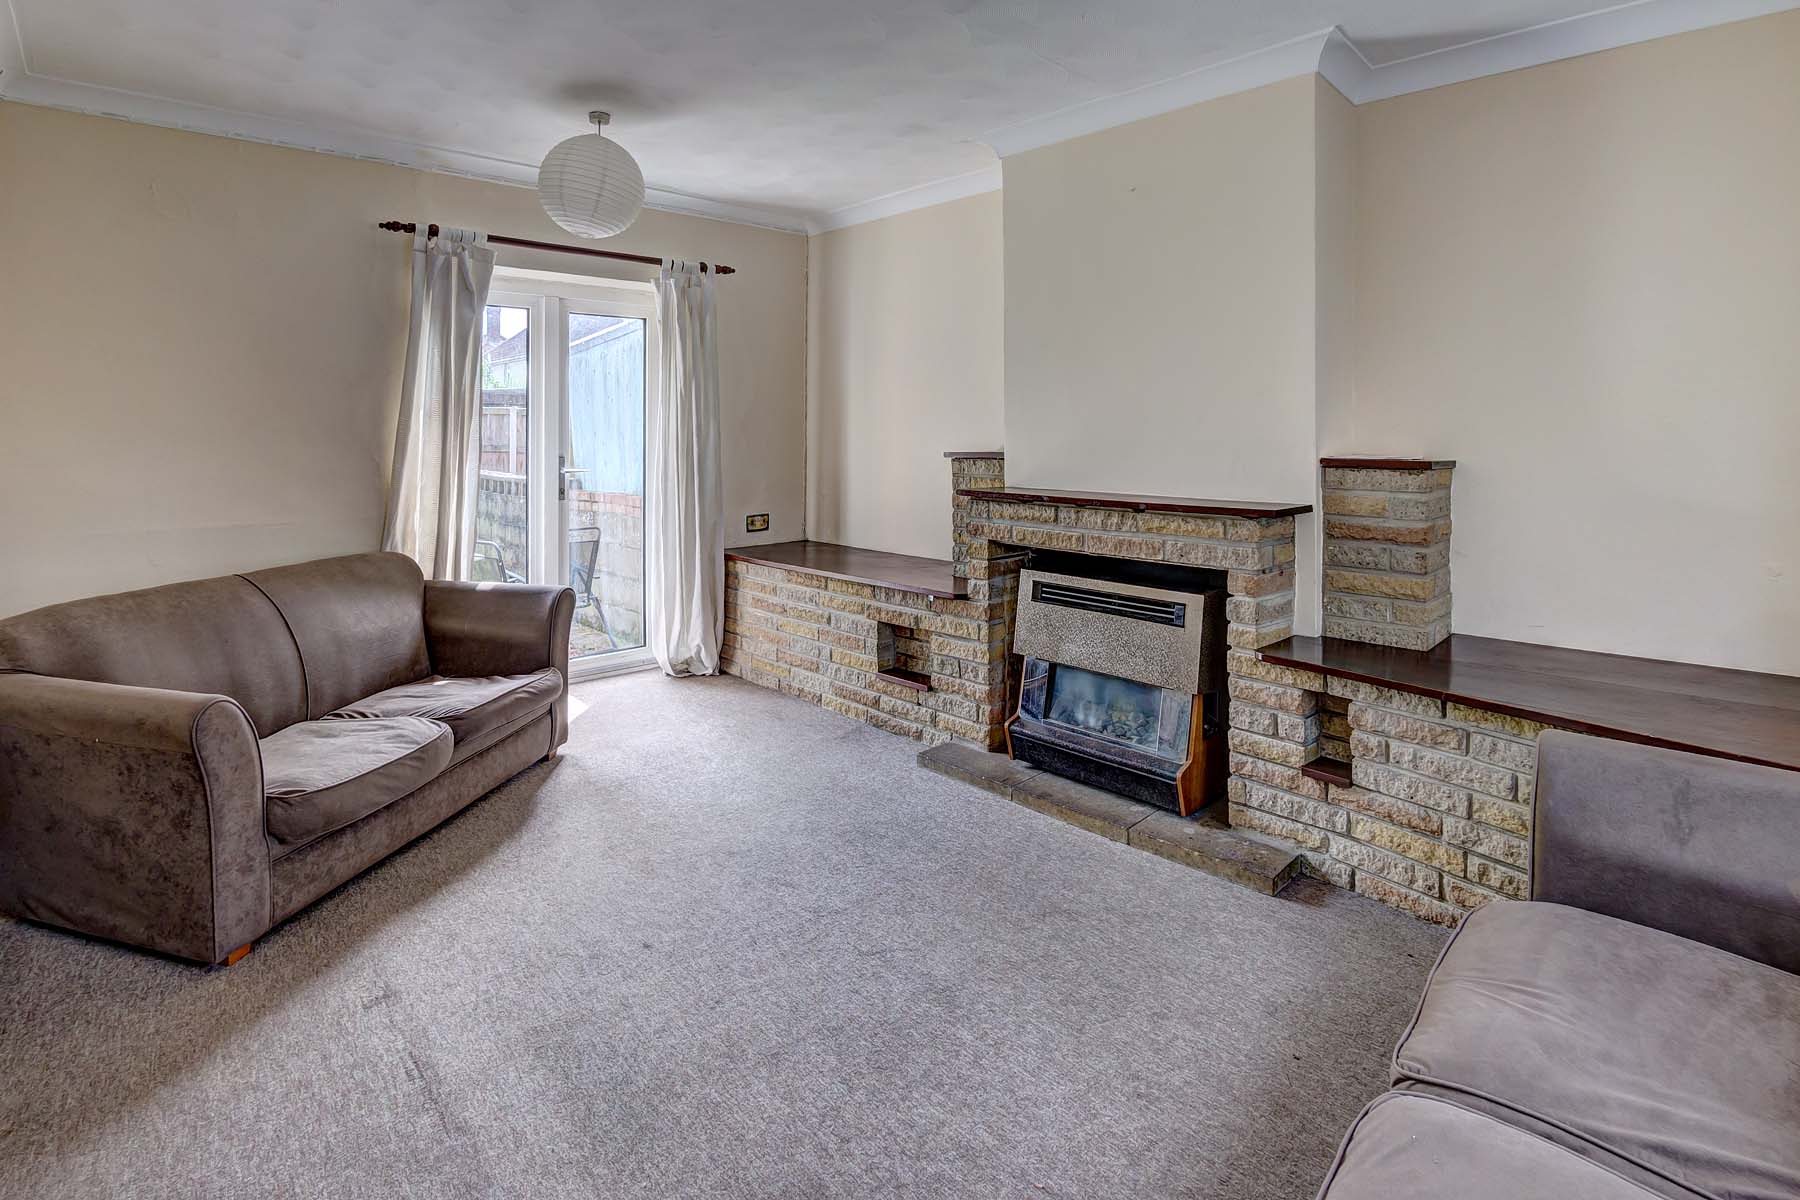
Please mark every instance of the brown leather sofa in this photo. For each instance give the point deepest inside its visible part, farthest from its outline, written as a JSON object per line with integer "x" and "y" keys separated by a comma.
{"x": 184, "y": 767}
{"x": 1633, "y": 1030}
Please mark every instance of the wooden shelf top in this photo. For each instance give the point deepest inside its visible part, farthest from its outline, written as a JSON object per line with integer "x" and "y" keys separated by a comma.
{"x": 1255, "y": 510}
{"x": 902, "y": 572}
{"x": 1376, "y": 462}
{"x": 1328, "y": 770}
{"x": 918, "y": 681}
{"x": 1742, "y": 715}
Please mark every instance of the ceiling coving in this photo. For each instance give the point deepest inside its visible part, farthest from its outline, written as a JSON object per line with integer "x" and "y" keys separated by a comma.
{"x": 797, "y": 114}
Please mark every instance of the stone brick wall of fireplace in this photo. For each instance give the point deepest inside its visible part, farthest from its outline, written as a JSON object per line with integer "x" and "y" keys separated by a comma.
{"x": 1387, "y": 550}
{"x": 1437, "y": 817}
{"x": 1256, "y": 553}
{"x": 824, "y": 639}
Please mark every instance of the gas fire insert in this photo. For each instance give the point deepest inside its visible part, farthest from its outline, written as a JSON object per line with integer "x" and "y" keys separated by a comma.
{"x": 1123, "y": 685}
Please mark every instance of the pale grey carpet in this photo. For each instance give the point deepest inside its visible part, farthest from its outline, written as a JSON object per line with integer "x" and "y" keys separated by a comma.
{"x": 731, "y": 945}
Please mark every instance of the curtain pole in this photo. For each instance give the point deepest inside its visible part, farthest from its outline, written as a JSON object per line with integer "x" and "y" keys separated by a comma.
{"x": 557, "y": 247}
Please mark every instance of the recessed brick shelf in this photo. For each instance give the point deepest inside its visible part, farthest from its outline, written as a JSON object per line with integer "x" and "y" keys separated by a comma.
{"x": 918, "y": 681}
{"x": 1328, "y": 770}
{"x": 1741, "y": 715}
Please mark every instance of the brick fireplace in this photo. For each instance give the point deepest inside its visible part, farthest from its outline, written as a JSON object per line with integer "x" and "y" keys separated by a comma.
{"x": 1419, "y": 803}
{"x": 1389, "y": 757}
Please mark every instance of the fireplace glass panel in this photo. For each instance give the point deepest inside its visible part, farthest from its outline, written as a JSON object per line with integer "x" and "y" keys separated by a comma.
{"x": 1137, "y": 714}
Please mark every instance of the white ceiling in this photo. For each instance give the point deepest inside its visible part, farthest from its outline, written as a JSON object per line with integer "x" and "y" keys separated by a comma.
{"x": 786, "y": 110}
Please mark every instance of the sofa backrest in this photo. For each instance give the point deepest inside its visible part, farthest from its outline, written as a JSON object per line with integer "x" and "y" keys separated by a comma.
{"x": 359, "y": 622}
{"x": 1696, "y": 846}
{"x": 219, "y": 636}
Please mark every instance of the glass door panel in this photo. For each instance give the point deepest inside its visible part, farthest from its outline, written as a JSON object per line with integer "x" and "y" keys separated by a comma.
{"x": 602, "y": 472}
{"x": 503, "y": 486}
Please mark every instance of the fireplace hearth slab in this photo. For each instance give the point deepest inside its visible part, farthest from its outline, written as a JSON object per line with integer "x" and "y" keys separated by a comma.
{"x": 990, "y": 772}
{"x": 1093, "y": 809}
{"x": 1216, "y": 848}
{"x": 1203, "y": 843}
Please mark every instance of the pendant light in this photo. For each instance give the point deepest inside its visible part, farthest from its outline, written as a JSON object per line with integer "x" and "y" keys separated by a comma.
{"x": 590, "y": 185}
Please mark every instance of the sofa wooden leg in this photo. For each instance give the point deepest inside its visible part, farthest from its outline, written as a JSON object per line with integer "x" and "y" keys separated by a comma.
{"x": 232, "y": 959}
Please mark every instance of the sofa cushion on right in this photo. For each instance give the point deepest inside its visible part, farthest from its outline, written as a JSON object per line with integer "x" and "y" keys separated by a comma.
{"x": 1412, "y": 1147}
{"x": 1669, "y": 1053}
{"x": 322, "y": 775}
{"x": 473, "y": 707}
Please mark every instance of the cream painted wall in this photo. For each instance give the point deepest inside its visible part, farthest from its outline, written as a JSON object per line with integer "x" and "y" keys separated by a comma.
{"x": 1161, "y": 309}
{"x": 903, "y": 363}
{"x": 1334, "y": 297}
{"x": 1334, "y": 261}
{"x": 1582, "y": 281}
{"x": 200, "y": 345}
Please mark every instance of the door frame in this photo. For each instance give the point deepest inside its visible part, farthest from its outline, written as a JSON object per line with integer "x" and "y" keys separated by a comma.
{"x": 551, "y": 296}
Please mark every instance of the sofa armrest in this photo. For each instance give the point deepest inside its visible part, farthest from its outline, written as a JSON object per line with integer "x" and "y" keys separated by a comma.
{"x": 497, "y": 628}
{"x": 132, "y": 813}
{"x": 1701, "y": 847}
{"x": 501, "y": 629}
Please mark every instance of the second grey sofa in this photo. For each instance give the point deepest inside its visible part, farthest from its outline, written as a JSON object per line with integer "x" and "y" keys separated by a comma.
{"x": 1632, "y": 1030}
{"x": 183, "y": 767}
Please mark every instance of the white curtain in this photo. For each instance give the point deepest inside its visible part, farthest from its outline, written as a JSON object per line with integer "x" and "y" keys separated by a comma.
{"x": 684, "y": 550}
{"x": 431, "y": 500}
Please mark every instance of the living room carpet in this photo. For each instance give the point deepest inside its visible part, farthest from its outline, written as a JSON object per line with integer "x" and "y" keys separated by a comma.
{"x": 729, "y": 945}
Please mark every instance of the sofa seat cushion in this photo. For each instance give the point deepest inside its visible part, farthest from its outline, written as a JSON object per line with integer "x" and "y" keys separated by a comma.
{"x": 474, "y": 707}
{"x": 1412, "y": 1147}
{"x": 1674, "y": 1055}
{"x": 319, "y": 776}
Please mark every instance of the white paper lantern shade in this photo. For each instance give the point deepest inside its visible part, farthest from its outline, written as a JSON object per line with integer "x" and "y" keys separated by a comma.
{"x": 590, "y": 185}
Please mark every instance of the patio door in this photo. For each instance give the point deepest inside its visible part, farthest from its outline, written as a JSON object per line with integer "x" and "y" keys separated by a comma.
{"x": 567, "y": 369}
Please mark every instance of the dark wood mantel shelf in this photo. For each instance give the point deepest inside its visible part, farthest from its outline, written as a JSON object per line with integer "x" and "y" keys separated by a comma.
{"x": 902, "y": 572}
{"x": 1255, "y": 510}
{"x": 1379, "y": 462}
{"x": 1742, "y": 715}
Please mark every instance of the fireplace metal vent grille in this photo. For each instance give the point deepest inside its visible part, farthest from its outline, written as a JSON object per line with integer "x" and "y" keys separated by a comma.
{"x": 1137, "y": 608}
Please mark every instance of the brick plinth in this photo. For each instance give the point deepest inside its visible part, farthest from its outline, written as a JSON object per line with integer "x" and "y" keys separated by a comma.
{"x": 970, "y": 470}
{"x": 1387, "y": 552}
{"x": 1437, "y": 820}
{"x": 824, "y": 640}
